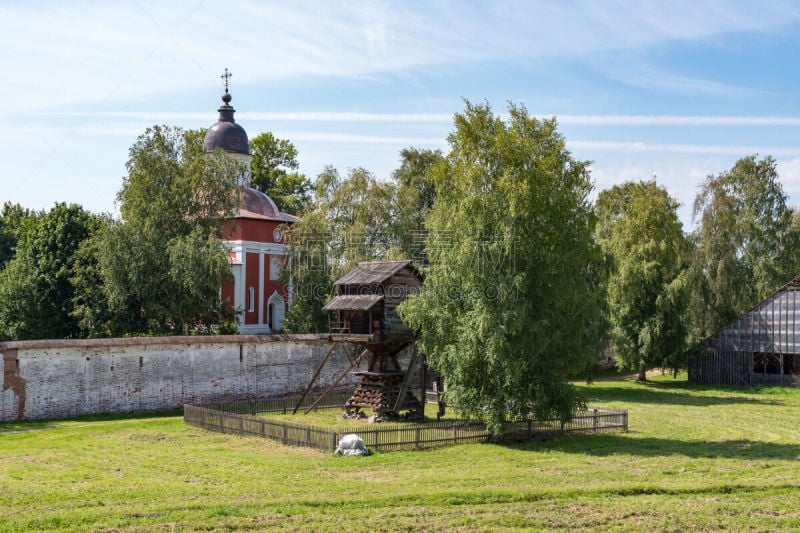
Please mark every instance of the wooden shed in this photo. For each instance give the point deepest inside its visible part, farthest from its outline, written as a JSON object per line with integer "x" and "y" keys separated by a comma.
{"x": 761, "y": 347}
{"x": 364, "y": 313}
{"x": 367, "y": 298}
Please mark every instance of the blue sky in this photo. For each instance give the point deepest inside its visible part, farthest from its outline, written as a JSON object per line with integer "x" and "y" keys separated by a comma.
{"x": 675, "y": 90}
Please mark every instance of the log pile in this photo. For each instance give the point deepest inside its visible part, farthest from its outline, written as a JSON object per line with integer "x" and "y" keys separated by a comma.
{"x": 380, "y": 391}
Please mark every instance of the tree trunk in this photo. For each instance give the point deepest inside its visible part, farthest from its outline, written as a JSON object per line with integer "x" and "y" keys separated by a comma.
{"x": 642, "y": 373}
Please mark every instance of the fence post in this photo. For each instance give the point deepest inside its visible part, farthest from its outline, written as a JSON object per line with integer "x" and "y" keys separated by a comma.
{"x": 285, "y": 433}
{"x": 335, "y": 439}
{"x": 530, "y": 429}
{"x": 594, "y": 421}
{"x": 263, "y": 428}
{"x": 455, "y": 433}
{"x": 375, "y": 439}
{"x": 416, "y": 436}
{"x": 284, "y": 406}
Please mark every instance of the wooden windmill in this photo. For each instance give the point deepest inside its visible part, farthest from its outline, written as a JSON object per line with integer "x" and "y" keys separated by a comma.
{"x": 364, "y": 313}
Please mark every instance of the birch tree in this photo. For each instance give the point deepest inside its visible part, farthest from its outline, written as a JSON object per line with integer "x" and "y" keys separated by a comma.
{"x": 510, "y": 305}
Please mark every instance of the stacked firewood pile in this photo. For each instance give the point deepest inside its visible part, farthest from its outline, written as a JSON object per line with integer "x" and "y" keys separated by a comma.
{"x": 380, "y": 391}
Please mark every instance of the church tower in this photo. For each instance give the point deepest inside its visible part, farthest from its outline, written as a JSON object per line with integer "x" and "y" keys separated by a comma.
{"x": 227, "y": 135}
{"x": 258, "y": 251}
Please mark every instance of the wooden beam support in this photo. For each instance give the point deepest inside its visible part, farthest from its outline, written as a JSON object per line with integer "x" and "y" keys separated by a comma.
{"x": 316, "y": 376}
{"x": 423, "y": 388}
{"x": 340, "y": 378}
{"x": 406, "y": 380}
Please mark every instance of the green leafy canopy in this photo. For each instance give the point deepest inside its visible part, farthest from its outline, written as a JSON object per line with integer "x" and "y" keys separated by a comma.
{"x": 509, "y": 306}
{"x": 642, "y": 237}
{"x": 746, "y": 242}
{"x": 163, "y": 263}
{"x": 274, "y": 172}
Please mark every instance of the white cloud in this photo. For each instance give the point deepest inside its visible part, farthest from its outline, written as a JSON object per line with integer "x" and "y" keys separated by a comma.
{"x": 88, "y": 52}
{"x": 676, "y": 120}
{"x": 638, "y": 146}
{"x": 655, "y": 79}
{"x": 300, "y": 116}
{"x": 789, "y": 172}
{"x": 440, "y": 118}
{"x": 363, "y": 139}
{"x": 681, "y": 179}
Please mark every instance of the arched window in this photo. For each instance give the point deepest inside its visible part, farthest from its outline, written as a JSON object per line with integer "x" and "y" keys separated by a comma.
{"x": 276, "y": 310}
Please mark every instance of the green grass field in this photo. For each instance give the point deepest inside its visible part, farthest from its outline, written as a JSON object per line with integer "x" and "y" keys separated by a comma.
{"x": 695, "y": 458}
{"x": 331, "y": 418}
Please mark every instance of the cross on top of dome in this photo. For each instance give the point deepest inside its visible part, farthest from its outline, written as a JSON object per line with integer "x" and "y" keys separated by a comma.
{"x": 226, "y": 76}
{"x": 226, "y": 134}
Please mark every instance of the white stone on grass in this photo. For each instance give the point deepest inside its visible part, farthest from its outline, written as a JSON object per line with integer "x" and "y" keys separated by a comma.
{"x": 352, "y": 445}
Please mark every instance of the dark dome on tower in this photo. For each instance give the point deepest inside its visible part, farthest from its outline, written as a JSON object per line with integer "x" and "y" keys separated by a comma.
{"x": 226, "y": 133}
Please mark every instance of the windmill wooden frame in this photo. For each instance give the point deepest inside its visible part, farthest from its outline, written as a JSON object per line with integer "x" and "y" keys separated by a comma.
{"x": 364, "y": 313}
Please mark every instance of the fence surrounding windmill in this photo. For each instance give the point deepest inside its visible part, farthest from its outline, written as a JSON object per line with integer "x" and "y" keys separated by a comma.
{"x": 241, "y": 418}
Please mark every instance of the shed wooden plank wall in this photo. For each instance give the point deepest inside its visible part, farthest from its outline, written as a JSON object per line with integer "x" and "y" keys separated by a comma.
{"x": 723, "y": 367}
{"x": 395, "y": 291}
{"x": 399, "y": 287}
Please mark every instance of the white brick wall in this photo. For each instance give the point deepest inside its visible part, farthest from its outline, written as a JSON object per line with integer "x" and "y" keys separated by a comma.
{"x": 65, "y": 378}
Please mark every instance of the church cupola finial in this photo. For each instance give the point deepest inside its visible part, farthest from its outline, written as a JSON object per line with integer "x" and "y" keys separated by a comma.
{"x": 226, "y": 134}
{"x": 226, "y": 76}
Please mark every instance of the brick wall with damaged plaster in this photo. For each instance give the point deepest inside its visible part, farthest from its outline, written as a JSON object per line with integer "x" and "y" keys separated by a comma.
{"x": 66, "y": 378}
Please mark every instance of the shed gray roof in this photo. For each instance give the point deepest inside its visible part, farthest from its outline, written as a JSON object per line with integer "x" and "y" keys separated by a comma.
{"x": 792, "y": 285}
{"x": 769, "y": 326}
{"x": 375, "y": 272}
{"x": 353, "y": 302}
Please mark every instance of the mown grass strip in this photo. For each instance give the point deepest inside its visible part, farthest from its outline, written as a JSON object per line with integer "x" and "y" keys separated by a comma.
{"x": 696, "y": 458}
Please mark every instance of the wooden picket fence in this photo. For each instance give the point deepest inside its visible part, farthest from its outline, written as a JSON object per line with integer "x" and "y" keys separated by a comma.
{"x": 240, "y": 418}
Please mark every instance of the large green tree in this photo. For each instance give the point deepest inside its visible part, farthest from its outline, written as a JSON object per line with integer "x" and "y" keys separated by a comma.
{"x": 415, "y": 194}
{"x": 509, "y": 306}
{"x": 354, "y": 218}
{"x": 349, "y": 220}
{"x": 274, "y": 172}
{"x": 359, "y": 215}
{"x": 162, "y": 264}
{"x": 13, "y": 218}
{"x": 746, "y": 243}
{"x": 642, "y": 237}
{"x": 36, "y": 292}
{"x": 90, "y": 304}
{"x": 309, "y": 244}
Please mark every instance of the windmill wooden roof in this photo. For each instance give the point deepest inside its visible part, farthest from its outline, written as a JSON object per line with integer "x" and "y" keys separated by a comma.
{"x": 375, "y": 272}
{"x": 353, "y": 302}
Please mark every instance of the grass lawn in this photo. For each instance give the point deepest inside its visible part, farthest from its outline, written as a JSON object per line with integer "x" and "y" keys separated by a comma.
{"x": 695, "y": 458}
{"x": 331, "y": 418}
